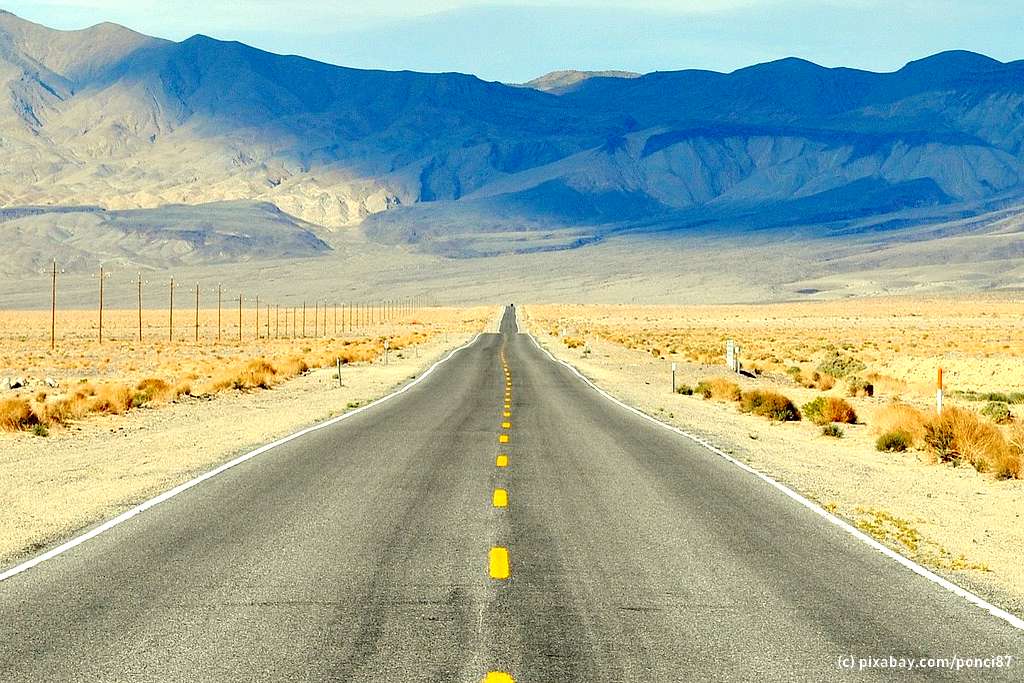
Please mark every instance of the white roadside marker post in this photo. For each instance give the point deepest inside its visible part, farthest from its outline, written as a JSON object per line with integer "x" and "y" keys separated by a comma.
{"x": 673, "y": 378}
{"x": 339, "y": 372}
{"x": 938, "y": 394}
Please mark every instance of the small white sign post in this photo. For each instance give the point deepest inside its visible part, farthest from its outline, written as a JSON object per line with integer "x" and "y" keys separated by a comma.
{"x": 673, "y": 378}
{"x": 732, "y": 356}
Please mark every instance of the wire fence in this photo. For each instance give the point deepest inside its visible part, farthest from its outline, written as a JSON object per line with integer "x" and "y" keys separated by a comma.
{"x": 175, "y": 311}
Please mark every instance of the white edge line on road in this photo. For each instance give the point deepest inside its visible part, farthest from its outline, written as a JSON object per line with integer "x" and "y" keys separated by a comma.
{"x": 180, "y": 488}
{"x": 972, "y": 598}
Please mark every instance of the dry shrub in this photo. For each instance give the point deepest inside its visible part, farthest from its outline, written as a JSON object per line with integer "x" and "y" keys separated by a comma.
{"x": 958, "y": 435}
{"x": 1016, "y": 444}
{"x": 840, "y": 366}
{"x": 825, "y": 382}
{"x": 153, "y": 389}
{"x": 900, "y": 417}
{"x": 832, "y": 430}
{"x": 998, "y": 412}
{"x": 256, "y": 374}
{"x": 16, "y": 414}
{"x": 855, "y": 386}
{"x": 770, "y": 404}
{"x": 359, "y": 354}
{"x": 826, "y": 409}
{"x": 63, "y": 411}
{"x": 719, "y": 388}
{"x": 112, "y": 399}
{"x": 895, "y": 441}
{"x": 572, "y": 342}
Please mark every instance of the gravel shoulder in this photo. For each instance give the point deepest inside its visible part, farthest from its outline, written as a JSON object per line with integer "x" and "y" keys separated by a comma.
{"x": 963, "y": 525}
{"x": 50, "y": 488}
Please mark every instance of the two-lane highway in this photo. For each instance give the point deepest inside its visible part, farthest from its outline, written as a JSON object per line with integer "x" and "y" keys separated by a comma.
{"x": 500, "y": 517}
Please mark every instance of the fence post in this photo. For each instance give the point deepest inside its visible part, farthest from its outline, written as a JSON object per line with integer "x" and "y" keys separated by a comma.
{"x": 673, "y": 378}
{"x": 101, "y": 303}
{"x": 220, "y": 301}
{"x": 197, "y": 312}
{"x": 170, "y": 313}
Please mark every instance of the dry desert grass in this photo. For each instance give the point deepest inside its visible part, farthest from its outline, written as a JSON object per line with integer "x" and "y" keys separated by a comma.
{"x": 123, "y": 373}
{"x": 883, "y": 354}
{"x": 897, "y": 342}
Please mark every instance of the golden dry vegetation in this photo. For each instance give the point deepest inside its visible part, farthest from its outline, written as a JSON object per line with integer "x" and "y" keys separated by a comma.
{"x": 123, "y": 373}
{"x": 882, "y": 354}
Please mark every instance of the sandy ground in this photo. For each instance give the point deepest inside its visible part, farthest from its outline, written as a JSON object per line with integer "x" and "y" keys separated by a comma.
{"x": 978, "y": 340}
{"x": 52, "y": 487}
{"x": 962, "y": 524}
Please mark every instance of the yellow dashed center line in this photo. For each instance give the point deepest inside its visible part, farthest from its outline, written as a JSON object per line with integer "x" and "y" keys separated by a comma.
{"x": 499, "y": 563}
{"x": 499, "y": 566}
{"x": 498, "y": 677}
{"x": 500, "y": 498}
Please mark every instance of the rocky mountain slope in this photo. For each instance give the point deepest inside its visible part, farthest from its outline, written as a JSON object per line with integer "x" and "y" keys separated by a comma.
{"x": 170, "y": 236}
{"x": 561, "y": 82}
{"x": 455, "y": 165}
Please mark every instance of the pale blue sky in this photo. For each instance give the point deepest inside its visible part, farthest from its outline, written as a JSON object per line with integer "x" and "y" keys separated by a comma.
{"x": 516, "y": 41}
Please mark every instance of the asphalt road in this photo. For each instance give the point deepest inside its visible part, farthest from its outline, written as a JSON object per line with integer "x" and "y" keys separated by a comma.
{"x": 362, "y": 552}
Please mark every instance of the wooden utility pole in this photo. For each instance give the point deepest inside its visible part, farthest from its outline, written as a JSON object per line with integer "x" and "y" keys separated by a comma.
{"x": 53, "y": 308}
{"x": 268, "y": 321}
{"x": 294, "y": 332}
{"x": 277, "y": 321}
{"x": 257, "y": 316}
{"x": 197, "y": 312}
{"x": 335, "y": 320}
{"x": 303, "y": 319}
{"x": 316, "y": 318}
{"x": 101, "y": 303}
{"x": 220, "y": 302}
{"x": 170, "y": 313}
{"x": 139, "y": 283}
{"x": 239, "y": 318}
